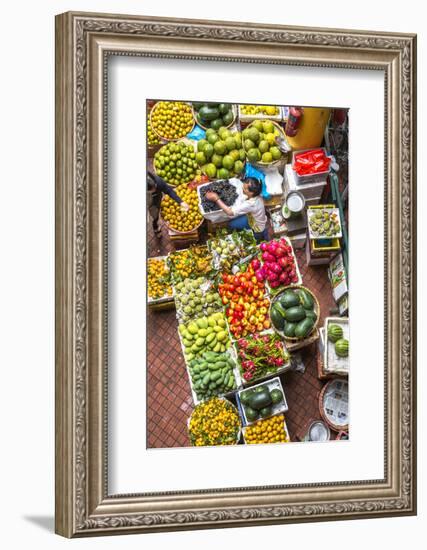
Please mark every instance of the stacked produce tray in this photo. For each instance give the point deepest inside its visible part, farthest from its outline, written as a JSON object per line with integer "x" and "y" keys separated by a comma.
{"x": 167, "y": 300}
{"x": 333, "y": 364}
{"x": 271, "y": 370}
{"x": 207, "y": 349}
{"x": 246, "y": 428}
{"x": 272, "y": 385}
{"x": 260, "y": 116}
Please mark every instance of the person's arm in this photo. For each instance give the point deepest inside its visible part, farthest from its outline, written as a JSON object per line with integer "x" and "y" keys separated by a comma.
{"x": 167, "y": 189}
{"x": 211, "y": 196}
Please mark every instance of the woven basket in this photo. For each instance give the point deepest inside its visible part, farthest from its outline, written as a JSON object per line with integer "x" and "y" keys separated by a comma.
{"x": 316, "y": 309}
{"x": 163, "y": 137}
{"x": 233, "y": 108}
{"x": 325, "y": 417}
{"x": 274, "y": 162}
{"x": 187, "y": 142}
{"x": 239, "y": 433}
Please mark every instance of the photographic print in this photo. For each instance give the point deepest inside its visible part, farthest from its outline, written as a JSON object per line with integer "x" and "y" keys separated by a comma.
{"x": 203, "y": 274}
{"x": 247, "y": 274}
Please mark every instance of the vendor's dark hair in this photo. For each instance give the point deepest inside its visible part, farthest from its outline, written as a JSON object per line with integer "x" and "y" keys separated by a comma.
{"x": 255, "y": 186}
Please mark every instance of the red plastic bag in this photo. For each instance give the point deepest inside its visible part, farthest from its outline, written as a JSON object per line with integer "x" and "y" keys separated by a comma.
{"x": 311, "y": 162}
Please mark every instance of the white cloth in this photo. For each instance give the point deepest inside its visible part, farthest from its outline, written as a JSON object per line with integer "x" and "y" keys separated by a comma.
{"x": 255, "y": 210}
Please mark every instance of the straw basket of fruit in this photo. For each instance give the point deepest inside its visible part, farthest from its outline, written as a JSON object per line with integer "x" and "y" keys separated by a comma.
{"x": 176, "y": 162}
{"x": 172, "y": 120}
{"x": 175, "y": 217}
{"x": 260, "y": 143}
{"x": 214, "y": 422}
{"x": 295, "y": 313}
{"x": 214, "y": 115}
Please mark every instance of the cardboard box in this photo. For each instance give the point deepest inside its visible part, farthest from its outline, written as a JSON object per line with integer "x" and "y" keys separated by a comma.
{"x": 338, "y": 277}
{"x": 312, "y": 191}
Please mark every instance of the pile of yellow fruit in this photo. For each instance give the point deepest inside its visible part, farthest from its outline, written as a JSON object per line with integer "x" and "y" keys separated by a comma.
{"x": 214, "y": 422}
{"x": 270, "y": 430}
{"x": 152, "y": 137}
{"x": 175, "y": 216}
{"x": 159, "y": 284}
{"x": 181, "y": 263}
{"x": 172, "y": 120}
{"x": 269, "y": 110}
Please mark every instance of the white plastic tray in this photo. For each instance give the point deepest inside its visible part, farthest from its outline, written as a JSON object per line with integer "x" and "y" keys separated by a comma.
{"x": 279, "y": 408}
{"x": 286, "y": 432}
{"x": 332, "y": 362}
{"x": 272, "y": 291}
{"x": 166, "y": 297}
{"x": 250, "y": 118}
{"x": 258, "y": 381}
{"x": 310, "y": 214}
{"x": 219, "y": 215}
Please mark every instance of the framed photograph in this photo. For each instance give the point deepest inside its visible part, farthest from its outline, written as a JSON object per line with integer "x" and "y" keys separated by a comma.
{"x": 235, "y": 274}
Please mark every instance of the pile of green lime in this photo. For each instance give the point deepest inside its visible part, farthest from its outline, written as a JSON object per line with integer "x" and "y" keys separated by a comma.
{"x": 259, "y": 142}
{"x": 221, "y": 154}
{"x": 176, "y": 163}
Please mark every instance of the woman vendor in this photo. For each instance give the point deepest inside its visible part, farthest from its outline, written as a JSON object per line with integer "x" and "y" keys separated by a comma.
{"x": 250, "y": 214}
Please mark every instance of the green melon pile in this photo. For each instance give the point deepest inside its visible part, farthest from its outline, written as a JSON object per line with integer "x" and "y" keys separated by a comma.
{"x": 259, "y": 142}
{"x": 221, "y": 155}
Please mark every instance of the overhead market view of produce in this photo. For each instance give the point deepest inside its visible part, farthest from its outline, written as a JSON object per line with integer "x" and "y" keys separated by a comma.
{"x": 248, "y": 338}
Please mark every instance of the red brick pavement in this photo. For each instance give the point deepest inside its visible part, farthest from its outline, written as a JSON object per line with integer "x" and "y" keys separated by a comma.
{"x": 169, "y": 396}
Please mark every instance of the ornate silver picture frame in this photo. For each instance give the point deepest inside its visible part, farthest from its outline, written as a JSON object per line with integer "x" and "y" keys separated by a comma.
{"x": 83, "y": 44}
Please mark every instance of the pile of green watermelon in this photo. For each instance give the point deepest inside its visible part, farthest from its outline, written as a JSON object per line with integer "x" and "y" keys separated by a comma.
{"x": 213, "y": 115}
{"x": 293, "y": 313}
{"x": 258, "y": 402}
{"x": 336, "y": 336}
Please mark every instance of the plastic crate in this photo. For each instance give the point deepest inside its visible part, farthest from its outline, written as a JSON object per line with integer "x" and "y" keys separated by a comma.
{"x": 288, "y": 437}
{"x": 279, "y": 408}
{"x": 251, "y": 118}
{"x": 167, "y": 298}
{"x": 312, "y": 191}
{"x": 309, "y": 178}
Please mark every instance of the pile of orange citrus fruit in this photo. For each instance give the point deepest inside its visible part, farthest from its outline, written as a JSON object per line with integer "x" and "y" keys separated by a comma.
{"x": 172, "y": 120}
{"x": 158, "y": 279}
{"x": 270, "y": 430}
{"x": 175, "y": 216}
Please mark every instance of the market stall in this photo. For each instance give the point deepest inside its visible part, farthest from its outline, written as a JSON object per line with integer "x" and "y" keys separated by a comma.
{"x": 255, "y": 329}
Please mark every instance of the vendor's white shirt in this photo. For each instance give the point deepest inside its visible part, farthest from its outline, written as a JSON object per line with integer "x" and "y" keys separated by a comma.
{"x": 255, "y": 210}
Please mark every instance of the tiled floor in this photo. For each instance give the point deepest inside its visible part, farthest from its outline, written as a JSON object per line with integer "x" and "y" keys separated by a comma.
{"x": 169, "y": 396}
